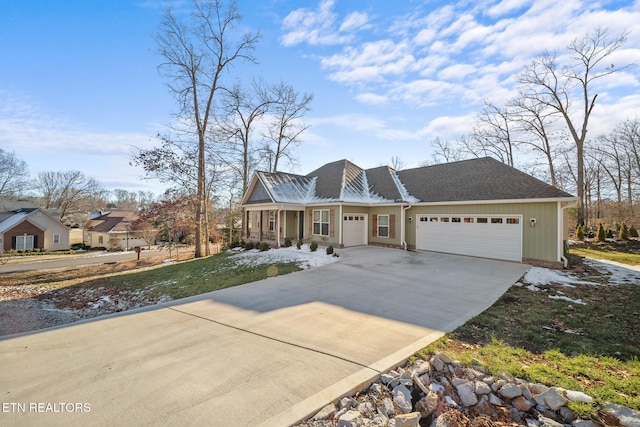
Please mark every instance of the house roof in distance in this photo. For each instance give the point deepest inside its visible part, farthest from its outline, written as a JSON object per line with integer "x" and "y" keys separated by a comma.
{"x": 481, "y": 179}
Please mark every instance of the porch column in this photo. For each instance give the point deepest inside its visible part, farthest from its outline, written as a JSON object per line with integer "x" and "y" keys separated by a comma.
{"x": 260, "y": 227}
{"x": 278, "y": 228}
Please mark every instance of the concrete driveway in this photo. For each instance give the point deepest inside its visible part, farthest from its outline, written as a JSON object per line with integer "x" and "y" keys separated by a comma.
{"x": 267, "y": 353}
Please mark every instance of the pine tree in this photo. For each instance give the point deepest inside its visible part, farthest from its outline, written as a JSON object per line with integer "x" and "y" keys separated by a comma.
{"x": 601, "y": 235}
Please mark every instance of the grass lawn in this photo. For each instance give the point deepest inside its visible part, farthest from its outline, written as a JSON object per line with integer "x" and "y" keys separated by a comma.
{"x": 625, "y": 258}
{"x": 592, "y": 347}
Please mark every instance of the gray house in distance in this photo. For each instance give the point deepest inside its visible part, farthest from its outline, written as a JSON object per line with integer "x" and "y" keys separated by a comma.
{"x": 479, "y": 207}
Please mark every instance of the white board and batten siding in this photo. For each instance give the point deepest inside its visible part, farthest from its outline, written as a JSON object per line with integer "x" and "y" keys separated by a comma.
{"x": 485, "y": 236}
{"x": 354, "y": 226}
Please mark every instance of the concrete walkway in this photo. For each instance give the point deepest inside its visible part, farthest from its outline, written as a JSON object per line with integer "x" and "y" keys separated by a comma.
{"x": 267, "y": 353}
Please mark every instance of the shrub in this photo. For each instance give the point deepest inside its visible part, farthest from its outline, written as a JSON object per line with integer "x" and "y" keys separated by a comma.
{"x": 609, "y": 233}
{"x": 624, "y": 232}
{"x": 299, "y": 244}
{"x": 287, "y": 242}
{"x": 330, "y": 250}
{"x": 249, "y": 245}
{"x": 633, "y": 232}
{"x": 601, "y": 235}
{"x": 263, "y": 246}
{"x": 579, "y": 233}
{"x": 313, "y": 246}
{"x": 234, "y": 244}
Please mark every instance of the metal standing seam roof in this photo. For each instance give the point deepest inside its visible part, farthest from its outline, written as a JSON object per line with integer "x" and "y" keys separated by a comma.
{"x": 468, "y": 180}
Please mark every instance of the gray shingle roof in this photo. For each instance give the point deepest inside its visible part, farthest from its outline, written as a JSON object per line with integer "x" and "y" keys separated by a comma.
{"x": 476, "y": 179}
{"x": 342, "y": 181}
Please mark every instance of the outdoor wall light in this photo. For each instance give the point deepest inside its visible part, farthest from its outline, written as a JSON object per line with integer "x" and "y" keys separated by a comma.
{"x": 409, "y": 219}
{"x": 532, "y": 222}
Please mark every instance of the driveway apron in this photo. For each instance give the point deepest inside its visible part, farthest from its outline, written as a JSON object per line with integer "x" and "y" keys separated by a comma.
{"x": 267, "y": 353}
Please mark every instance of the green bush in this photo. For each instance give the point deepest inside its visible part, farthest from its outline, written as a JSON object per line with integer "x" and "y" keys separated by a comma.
{"x": 249, "y": 245}
{"x": 330, "y": 250}
{"x": 633, "y": 232}
{"x": 313, "y": 246}
{"x": 624, "y": 232}
{"x": 579, "y": 233}
{"x": 263, "y": 246}
{"x": 299, "y": 244}
{"x": 287, "y": 243}
{"x": 601, "y": 234}
{"x": 234, "y": 244}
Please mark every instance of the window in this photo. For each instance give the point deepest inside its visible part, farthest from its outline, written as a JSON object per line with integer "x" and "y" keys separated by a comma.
{"x": 383, "y": 225}
{"x": 24, "y": 243}
{"x": 468, "y": 220}
{"x": 482, "y": 220}
{"x": 444, "y": 219}
{"x": 455, "y": 219}
{"x": 496, "y": 220}
{"x": 321, "y": 222}
{"x": 56, "y": 239}
{"x": 513, "y": 220}
{"x": 272, "y": 220}
{"x": 433, "y": 219}
{"x": 100, "y": 240}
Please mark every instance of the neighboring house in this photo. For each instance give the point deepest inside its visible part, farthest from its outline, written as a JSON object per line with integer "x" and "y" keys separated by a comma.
{"x": 112, "y": 230}
{"x": 479, "y": 207}
{"x": 24, "y": 227}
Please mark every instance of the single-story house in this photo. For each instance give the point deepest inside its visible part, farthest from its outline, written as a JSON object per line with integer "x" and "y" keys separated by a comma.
{"x": 25, "y": 227}
{"x": 479, "y": 207}
{"x": 112, "y": 230}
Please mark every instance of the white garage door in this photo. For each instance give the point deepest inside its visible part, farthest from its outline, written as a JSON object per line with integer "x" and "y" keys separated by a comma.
{"x": 354, "y": 229}
{"x": 486, "y": 236}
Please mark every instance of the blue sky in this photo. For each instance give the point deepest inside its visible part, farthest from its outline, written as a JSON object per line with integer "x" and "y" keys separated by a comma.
{"x": 79, "y": 85}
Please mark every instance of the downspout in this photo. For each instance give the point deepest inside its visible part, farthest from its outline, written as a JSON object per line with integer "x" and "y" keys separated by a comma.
{"x": 278, "y": 226}
{"x": 403, "y": 227}
{"x": 341, "y": 223}
{"x": 565, "y": 261}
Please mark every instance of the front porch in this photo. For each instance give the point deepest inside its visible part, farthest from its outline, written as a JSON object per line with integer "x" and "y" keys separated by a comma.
{"x": 274, "y": 225}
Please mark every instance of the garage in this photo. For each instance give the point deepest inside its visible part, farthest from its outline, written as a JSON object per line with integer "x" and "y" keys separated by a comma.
{"x": 354, "y": 228}
{"x": 486, "y": 236}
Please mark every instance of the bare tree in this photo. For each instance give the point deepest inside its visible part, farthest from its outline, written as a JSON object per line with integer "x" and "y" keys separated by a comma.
{"x": 493, "y": 133}
{"x": 66, "y": 191}
{"x": 568, "y": 90}
{"x": 244, "y": 109}
{"x": 13, "y": 174}
{"x": 196, "y": 55}
{"x": 445, "y": 152}
{"x": 538, "y": 131}
{"x": 287, "y": 109}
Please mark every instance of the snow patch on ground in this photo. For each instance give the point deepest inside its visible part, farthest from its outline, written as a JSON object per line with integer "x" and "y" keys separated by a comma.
{"x": 574, "y": 301}
{"x": 303, "y": 257}
{"x": 539, "y": 276}
{"x": 618, "y": 274}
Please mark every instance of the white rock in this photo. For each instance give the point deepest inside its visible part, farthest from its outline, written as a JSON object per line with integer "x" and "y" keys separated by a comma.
{"x": 350, "y": 419}
{"x": 482, "y": 388}
{"x": 402, "y": 398}
{"x": 551, "y": 399}
{"x": 408, "y": 420}
{"x": 510, "y": 390}
{"x": 326, "y": 413}
{"x": 444, "y": 357}
{"x": 578, "y": 396}
{"x": 466, "y": 394}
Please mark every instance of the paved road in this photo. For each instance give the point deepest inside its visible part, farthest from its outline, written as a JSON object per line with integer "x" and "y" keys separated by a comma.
{"x": 267, "y": 353}
{"x": 44, "y": 262}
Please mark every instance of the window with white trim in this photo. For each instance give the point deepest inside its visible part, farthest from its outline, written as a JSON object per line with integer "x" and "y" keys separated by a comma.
{"x": 321, "y": 222}
{"x": 56, "y": 239}
{"x": 383, "y": 225}
{"x": 272, "y": 220}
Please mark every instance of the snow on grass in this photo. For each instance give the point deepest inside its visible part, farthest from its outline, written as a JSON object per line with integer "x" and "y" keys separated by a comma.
{"x": 538, "y": 276}
{"x": 617, "y": 273}
{"x": 574, "y": 301}
{"x": 303, "y": 257}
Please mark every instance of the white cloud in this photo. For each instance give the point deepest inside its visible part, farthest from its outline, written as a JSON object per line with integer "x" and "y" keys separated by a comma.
{"x": 321, "y": 26}
{"x": 372, "y": 99}
{"x": 506, "y": 7}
